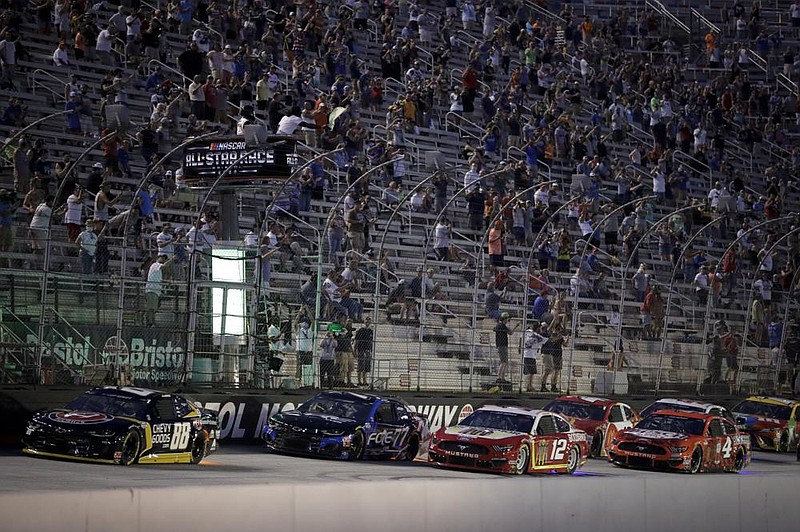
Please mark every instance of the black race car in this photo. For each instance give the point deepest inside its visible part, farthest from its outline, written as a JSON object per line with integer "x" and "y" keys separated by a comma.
{"x": 350, "y": 426}
{"x": 122, "y": 425}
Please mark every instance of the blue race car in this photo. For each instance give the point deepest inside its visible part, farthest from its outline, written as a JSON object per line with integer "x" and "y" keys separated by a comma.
{"x": 348, "y": 426}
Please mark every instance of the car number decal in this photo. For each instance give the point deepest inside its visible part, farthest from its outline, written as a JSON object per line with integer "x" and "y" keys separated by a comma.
{"x": 726, "y": 448}
{"x": 559, "y": 448}
{"x": 175, "y": 436}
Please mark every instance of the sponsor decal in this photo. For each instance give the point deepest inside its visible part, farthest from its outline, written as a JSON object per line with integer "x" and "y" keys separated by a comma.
{"x": 465, "y": 412}
{"x": 206, "y": 160}
{"x": 540, "y": 455}
{"x": 79, "y": 418}
{"x": 388, "y": 438}
{"x": 655, "y": 434}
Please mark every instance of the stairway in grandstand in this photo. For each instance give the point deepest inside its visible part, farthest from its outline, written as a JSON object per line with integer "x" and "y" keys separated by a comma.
{"x": 432, "y": 354}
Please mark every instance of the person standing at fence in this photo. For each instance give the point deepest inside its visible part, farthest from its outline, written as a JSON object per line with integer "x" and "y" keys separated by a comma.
{"x": 154, "y": 288}
{"x": 87, "y": 242}
{"x": 552, "y": 356}
{"x": 344, "y": 355}
{"x": 327, "y": 362}
{"x": 531, "y": 345}
{"x": 501, "y": 334}
{"x": 304, "y": 338}
{"x": 363, "y": 347}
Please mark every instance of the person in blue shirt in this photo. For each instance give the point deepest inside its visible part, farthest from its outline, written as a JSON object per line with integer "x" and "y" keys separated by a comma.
{"x": 74, "y": 117}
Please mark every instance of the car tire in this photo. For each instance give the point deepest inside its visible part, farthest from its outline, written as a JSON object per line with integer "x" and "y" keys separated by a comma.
{"x": 413, "y": 449}
{"x": 596, "y": 450}
{"x": 574, "y": 460}
{"x": 738, "y": 462}
{"x": 199, "y": 448}
{"x": 130, "y": 448}
{"x": 697, "y": 461}
{"x": 523, "y": 459}
{"x": 357, "y": 445}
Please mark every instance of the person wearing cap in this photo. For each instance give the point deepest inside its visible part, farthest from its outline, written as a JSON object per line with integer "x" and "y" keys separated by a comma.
{"x": 154, "y": 287}
{"x": 87, "y": 242}
{"x": 532, "y": 344}
{"x": 501, "y": 333}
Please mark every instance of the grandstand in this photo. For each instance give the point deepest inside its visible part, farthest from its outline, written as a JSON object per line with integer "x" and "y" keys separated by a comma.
{"x": 62, "y": 326}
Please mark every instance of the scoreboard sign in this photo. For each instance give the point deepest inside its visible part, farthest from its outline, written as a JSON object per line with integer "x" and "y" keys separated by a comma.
{"x": 205, "y": 160}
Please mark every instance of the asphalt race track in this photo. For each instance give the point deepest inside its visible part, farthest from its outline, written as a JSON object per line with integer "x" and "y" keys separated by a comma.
{"x": 237, "y": 465}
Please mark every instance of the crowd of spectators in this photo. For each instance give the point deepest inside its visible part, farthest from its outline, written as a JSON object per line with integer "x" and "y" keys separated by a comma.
{"x": 611, "y": 101}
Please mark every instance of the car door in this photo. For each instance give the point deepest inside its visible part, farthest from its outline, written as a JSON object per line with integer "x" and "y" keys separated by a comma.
{"x": 550, "y": 446}
{"x": 616, "y": 422}
{"x": 389, "y": 433}
{"x": 171, "y": 432}
{"x": 731, "y": 444}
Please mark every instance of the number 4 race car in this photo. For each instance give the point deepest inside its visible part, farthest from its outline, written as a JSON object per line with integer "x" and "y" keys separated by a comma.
{"x": 681, "y": 441}
{"x": 350, "y": 426}
{"x": 124, "y": 426}
{"x": 771, "y": 422}
{"x": 600, "y": 418}
{"x": 515, "y": 440}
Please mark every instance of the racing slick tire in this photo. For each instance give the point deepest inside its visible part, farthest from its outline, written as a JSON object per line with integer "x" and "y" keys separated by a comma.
{"x": 783, "y": 443}
{"x": 596, "y": 450}
{"x": 413, "y": 449}
{"x": 738, "y": 462}
{"x": 131, "y": 447}
{"x": 357, "y": 445}
{"x": 523, "y": 458}
{"x": 199, "y": 448}
{"x": 574, "y": 460}
{"x": 697, "y": 461}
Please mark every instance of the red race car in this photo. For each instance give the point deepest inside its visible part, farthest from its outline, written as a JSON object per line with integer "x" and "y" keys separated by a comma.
{"x": 681, "y": 441}
{"x": 510, "y": 439}
{"x": 600, "y": 418}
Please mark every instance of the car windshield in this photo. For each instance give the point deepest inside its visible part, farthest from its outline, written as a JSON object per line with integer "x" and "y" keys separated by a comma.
{"x": 681, "y": 425}
{"x": 135, "y": 407}
{"x": 507, "y": 421}
{"x": 666, "y": 405}
{"x": 577, "y": 410}
{"x": 757, "y": 408}
{"x": 327, "y": 406}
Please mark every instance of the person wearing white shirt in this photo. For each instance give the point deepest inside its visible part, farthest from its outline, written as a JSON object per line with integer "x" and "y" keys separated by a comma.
{"x": 164, "y": 241}
{"x": 659, "y": 183}
{"x": 418, "y": 200}
{"x": 532, "y": 344}
{"x": 471, "y": 176}
{"x": 289, "y": 123}
{"x": 87, "y": 241}
{"x": 714, "y": 195}
{"x": 8, "y": 60}
{"x": 201, "y": 39}
{"x": 700, "y": 138}
{"x": 60, "y": 56}
{"x": 73, "y": 213}
{"x": 154, "y": 286}
{"x": 133, "y": 27}
{"x": 251, "y": 238}
{"x": 39, "y": 224}
{"x": 215, "y": 60}
{"x": 467, "y": 14}
{"x": 542, "y": 195}
{"x": 635, "y": 156}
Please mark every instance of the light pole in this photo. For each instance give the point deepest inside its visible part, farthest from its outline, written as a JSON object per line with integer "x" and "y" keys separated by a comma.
{"x": 586, "y": 246}
{"x": 668, "y": 305}
{"x": 478, "y": 267}
{"x": 733, "y": 244}
{"x": 48, "y": 244}
{"x": 750, "y": 298}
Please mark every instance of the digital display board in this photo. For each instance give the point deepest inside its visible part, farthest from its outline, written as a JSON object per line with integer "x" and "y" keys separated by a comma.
{"x": 206, "y": 159}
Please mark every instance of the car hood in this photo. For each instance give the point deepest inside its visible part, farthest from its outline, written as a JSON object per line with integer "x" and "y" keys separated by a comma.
{"x": 82, "y": 421}
{"x": 315, "y": 421}
{"x": 649, "y": 435}
{"x": 464, "y": 433}
{"x": 753, "y": 422}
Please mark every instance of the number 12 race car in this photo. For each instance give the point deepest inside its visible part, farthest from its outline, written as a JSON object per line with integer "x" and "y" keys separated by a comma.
{"x": 124, "y": 426}
{"x": 514, "y": 440}
{"x": 350, "y": 426}
{"x": 681, "y": 441}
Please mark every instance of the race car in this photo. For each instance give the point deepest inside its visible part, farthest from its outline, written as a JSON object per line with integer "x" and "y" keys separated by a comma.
{"x": 681, "y": 441}
{"x": 509, "y": 439}
{"x": 771, "y": 422}
{"x": 688, "y": 405}
{"x": 124, "y": 425}
{"x": 599, "y": 418}
{"x": 350, "y": 426}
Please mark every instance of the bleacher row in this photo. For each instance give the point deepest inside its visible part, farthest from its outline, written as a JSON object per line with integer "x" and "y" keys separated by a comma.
{"x": 452, "y": 348}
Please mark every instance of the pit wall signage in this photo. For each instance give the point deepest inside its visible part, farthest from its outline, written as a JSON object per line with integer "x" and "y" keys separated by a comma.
{"x": 153, "y": 356}
{"x": 241, "y": 419}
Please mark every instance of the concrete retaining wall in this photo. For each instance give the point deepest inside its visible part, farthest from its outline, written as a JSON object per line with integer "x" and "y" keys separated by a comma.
{"x": 666, "y": 503}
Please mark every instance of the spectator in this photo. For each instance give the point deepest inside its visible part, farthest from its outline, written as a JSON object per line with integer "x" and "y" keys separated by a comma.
{"x": 491, "y": 302}
{"x": 304, "y": 338}
{"x": 501, "y": 334}
{"x": 552, "y": 356}
{"x": 154, "y": 287}
{"x": 363, "y": 349}
{"x": 327, "y": 361}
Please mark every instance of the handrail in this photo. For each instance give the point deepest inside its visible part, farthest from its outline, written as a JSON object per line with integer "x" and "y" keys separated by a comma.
{"x": 761, "y": 63}
{"x": 195, "y": 20}
{"x": 35, "y": 82}
{"x": 73, "y": 329}
{"x": 662, "y": 10}
{"x": 185, "y": 78}
{"x": 470, "y": 36}
{"x": 406, "y": 142}
{"x": 45, "y": 346}
{"x": 543, "y": 11}
{"x": 788, "y": 84}
{"x": 467, "y": 239}
{"x": 486, "y": 87}
{"x": 300, "y": 221}
{"x": 683, "y": 155}
{"x": 386, "y": 207}
{"x": 710, "y": 25}
{"x": 448, "y": 121}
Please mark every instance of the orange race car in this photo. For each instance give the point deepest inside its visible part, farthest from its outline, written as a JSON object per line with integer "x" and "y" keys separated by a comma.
{"x": 600, "y": 418}
{"x": 681, "y": 441}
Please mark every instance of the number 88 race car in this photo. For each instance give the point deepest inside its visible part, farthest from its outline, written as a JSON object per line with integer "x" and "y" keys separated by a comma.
{"x": 514, "y": 440}
{"x": 124, "y": 426}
